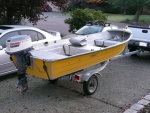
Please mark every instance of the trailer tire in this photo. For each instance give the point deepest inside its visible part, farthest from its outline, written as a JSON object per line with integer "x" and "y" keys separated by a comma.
{"x": 90, "y": 86}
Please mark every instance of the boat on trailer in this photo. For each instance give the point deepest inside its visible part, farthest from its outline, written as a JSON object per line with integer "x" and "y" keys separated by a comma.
{"x": 82, "y": 57}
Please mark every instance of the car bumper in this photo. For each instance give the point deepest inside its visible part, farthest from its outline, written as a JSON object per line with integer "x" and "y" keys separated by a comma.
{"x": 139, "y": 45}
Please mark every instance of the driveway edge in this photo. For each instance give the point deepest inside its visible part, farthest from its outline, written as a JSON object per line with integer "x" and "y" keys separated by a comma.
{"x": 137, "y": 107}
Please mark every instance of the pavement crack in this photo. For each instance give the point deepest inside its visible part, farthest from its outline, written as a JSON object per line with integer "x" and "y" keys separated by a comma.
{"x": 107, "y": 103}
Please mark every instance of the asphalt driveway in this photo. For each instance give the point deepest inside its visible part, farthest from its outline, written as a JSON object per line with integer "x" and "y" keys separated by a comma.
{"x": 124, "y": 82}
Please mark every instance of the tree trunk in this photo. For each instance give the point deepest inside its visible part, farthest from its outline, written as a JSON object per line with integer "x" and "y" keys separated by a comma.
{"x": 137, "y": 14}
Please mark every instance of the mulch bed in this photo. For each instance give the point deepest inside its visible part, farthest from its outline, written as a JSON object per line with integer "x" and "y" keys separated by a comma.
{"x": 146, "y": 109}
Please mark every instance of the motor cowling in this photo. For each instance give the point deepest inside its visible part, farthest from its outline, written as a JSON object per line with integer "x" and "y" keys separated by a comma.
{"x": 18, "y": 44}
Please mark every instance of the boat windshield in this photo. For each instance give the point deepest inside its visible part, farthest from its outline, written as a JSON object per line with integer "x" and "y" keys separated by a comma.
{"x": 89, "y": 30}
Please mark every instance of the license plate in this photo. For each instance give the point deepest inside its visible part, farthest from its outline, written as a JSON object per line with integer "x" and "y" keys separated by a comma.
{"x": 143, "y": 44}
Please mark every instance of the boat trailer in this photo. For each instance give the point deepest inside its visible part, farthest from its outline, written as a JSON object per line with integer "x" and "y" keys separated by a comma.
{"x": 88, "y": 77}
{"x": 125, "y": 54}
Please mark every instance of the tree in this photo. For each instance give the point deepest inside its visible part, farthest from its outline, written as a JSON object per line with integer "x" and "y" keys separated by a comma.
{"x": 138, "y": 4}
{"x": 64, "y": 4}
{"x": 94, "y": 1}
{"x": 61, "y": 4}
{"x": 12, "y": 11}
{"x": 80, "y": 17}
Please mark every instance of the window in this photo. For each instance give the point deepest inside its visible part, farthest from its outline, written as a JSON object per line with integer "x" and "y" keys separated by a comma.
{"x": 88, "y": 30}
{"x": 4, "y": 38}
{"x": 40, "y": 36}
{"x": 33, "y": 34}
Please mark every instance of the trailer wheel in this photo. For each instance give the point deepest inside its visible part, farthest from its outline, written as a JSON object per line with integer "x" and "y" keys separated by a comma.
{"x": 90, "y": 86}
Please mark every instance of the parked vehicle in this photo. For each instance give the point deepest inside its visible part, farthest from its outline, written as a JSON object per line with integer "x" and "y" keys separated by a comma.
{"x": 92, "y": 28}
{"x": 40, "y": 38}
{"x": 140, "y": 38}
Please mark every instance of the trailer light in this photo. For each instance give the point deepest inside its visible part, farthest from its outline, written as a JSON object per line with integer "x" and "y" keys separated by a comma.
{"x": 77, "y": 78}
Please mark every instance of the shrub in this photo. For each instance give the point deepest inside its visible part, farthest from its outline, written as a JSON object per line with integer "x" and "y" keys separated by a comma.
{"x": 80, "y": 17}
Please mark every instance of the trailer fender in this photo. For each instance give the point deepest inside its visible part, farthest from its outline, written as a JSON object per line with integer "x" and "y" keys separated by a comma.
{"x": 86, "y": 76}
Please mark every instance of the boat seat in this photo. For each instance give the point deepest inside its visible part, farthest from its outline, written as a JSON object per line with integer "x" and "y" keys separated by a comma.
{"x": 47, "y": 55}
{"x": 99, "y": 42}
{"x": 73, "y": 50}
{"x": 108, "y": 42}
{"x": 104, "y": 43}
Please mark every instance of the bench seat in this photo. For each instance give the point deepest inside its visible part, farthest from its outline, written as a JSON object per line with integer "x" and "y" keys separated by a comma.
{"x": 73, "y": 50}
{"x": 105, "y": 43}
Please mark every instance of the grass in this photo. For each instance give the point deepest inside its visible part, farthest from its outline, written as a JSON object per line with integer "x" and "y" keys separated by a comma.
{"x": 121, "y": 17}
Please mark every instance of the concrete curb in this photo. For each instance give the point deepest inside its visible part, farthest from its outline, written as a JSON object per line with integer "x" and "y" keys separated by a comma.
{"x": 135, "y": 108}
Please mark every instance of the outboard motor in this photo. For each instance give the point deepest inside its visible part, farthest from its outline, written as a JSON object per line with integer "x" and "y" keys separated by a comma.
{"x": 20, "y": 46}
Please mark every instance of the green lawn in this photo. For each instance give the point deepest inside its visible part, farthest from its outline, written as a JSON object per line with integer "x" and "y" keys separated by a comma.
{"x": 121, "y": 17}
